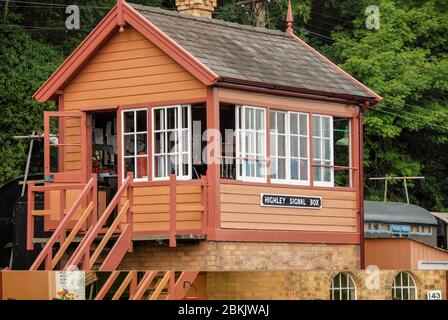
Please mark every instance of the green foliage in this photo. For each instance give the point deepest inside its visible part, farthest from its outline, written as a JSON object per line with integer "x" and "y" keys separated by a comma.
{"x": 24, "y": 65}
{"x": 405, "y": 61}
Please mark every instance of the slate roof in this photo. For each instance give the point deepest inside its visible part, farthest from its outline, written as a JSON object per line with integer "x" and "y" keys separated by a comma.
{"x": 396, "y": 212}
{"x": 260, "y": 56}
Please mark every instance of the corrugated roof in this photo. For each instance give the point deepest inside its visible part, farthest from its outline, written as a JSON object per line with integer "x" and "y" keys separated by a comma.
{"x": 396, "y": 212}
{"x": 250, "y": 54}
{"x": 441, "y": 215}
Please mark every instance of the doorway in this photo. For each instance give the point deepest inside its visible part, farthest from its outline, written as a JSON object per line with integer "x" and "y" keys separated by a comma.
{"x": 105, "y": 156}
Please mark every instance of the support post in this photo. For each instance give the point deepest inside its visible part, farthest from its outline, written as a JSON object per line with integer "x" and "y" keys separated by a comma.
{"x": 172, "y": 223}
{"x": 30, "y": 217}
{"x": 130, "y": 216}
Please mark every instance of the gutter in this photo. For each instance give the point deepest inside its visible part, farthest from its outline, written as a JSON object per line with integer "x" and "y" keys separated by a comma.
{"x": 278, "y": 90}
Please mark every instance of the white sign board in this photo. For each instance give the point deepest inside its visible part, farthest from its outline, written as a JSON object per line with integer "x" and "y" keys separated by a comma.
{"x": 432, "y": 265}
{"x": 434, "y": 295}
{"x": 70, "y": 285}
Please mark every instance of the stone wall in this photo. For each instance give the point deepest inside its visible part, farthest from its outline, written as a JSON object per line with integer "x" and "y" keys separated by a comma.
{"x": 217, "y": 256}
{"x": 312, "y": 285}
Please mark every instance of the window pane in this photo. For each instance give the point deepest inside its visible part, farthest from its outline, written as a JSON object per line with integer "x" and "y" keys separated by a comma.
{"x": 142, "y": 167}
{"x": 274, "y": 168}
{"x": 294, "y": 169}
{"x": 316, "y": 148}
{"x": 272, "y": 121}
{"x": 185, "y": 119}
{"x": 260, "y": 143}
{"x": 317, "y": 173}
{"x": 129, "y": 145}
{"x": 129, "y": 121}
{"x": 303, "y": 125}
{"x": 326, "y": 127}
{"x": 185, "y": 140}
{"x": 326, "y": 149}
{"x": 129, "y": 165}
{"x": 405, "y": 280}
{"x": 160, "y": 165}
{"x": 142, "y": 144}
{"x": 327, "y": 172}
{"x": 159, "y": 143}
{"x": 159, "y": 119}
{"x": 352, "y": 294}
{"x": 281, "y": 169}
{"x": 173, "y": 142}
{"x": 336, "y": 295}
{"x": 412, "y": 294}
{"x": 185, "y": 165}
{"x": 337, "y": 281}
{"x": 171, "y": 118}
{"x": 405, "y": 294}
{"x": 281, "y": 146}
{"x": 293, "y": 123}
{"x": 303, "y": 147}
{"x": 273, "y": 143}
{"x": 281, "y": 122}
{"x": 316, "y": 126}
{"x": 260, "y": 169}
{"x": 142, "y": 121}
{"x": 259, "y": 119}
{"x": 344, "y": 294}
{"x": 303, "y": 169}
{"x": 294, "y": 146}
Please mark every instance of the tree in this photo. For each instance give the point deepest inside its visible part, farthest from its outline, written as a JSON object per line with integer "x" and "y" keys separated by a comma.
{"x": 24, "y": 65}
{"x": 406, "y": 62}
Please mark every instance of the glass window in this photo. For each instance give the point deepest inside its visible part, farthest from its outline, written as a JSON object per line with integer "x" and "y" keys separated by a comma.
{"x": 289, "y": 147}
{"x": 171, "y": 142}
{"x": 251, "y": 143}
{"x": 135, "y": 143}
{"x": 403, "y": 287}
{"x": 343, "y": 287}
{"x": 323, "y": 150}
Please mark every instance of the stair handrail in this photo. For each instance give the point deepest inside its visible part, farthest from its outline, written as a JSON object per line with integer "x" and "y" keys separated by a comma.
{"x": 83, "y": 251}
{"x": 59, "y": 233}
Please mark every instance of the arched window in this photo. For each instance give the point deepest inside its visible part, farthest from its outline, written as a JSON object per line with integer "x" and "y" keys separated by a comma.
{"x": 343, "y": 287}
{"x": 403, "y": 287}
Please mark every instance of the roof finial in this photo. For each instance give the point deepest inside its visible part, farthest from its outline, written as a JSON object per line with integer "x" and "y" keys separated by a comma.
{"x": 120, "y": 15}
{"x": 289, "y": 18}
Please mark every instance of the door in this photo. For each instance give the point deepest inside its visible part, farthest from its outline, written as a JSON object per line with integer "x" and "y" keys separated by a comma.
{"x": 65, "y": 132}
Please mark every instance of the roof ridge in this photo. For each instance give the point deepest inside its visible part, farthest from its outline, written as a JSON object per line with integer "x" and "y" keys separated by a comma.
{"x": 209, "y": 20}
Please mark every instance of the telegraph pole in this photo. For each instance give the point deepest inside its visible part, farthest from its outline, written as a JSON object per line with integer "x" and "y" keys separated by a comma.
{"x": 405, "y": 184}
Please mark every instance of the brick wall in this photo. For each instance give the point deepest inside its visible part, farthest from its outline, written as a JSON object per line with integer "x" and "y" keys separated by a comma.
{"x": 311, "y": 285}
{"x": 216, "y": 256}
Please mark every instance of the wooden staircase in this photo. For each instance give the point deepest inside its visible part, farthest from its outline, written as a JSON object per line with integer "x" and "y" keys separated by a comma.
{"x": 151, "y": 285}
{"x": 102, "y": 246}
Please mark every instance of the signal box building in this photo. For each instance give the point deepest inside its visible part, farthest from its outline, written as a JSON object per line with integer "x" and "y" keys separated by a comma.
{"x": 183, "y": 142}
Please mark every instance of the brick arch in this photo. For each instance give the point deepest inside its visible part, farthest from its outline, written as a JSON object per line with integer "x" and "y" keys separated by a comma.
{"x": 417, "y": 281}
{"x": 356, "y": 281}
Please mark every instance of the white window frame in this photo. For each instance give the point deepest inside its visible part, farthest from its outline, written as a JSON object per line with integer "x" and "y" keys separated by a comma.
{"x": 134, "y": 133}
{"x": 321, "y": 160}
{"x": 341, "y": 287}
{"x": 241, "y": 146}
{"x": 288, "y": 156}
{"x": 402, "y": 287}
{"x": 168, "y": 153}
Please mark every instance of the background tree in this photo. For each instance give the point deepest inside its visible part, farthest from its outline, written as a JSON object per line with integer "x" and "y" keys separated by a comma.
{"x": 405, "y": 61}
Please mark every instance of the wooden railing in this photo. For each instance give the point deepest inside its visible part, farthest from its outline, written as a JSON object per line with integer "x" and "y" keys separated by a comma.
{"x": 122, "y": 245}
{"x": 153, "y": 285}
{"x": 172, "y": 231}
{"x": 87, "y": 197}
